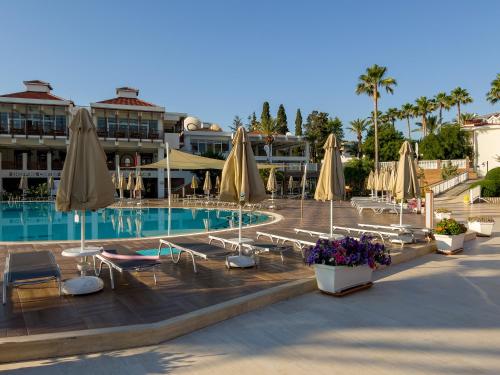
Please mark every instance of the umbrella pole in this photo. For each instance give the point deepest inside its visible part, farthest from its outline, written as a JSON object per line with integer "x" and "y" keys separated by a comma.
{"x": 331, "y": 218}
{"x": 82, "y": 235}
{"x": 401, "y": 214}
{"x": 240, "y": 225}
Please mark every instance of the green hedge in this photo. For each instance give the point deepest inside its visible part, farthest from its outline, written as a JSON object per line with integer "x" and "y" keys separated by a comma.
{"x": 490, "y": 186}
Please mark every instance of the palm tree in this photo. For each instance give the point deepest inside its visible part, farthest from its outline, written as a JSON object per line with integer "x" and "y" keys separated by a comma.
{"x": 460, "y": 96}
{"x": 443, "y": 101}
{"x": 432, "y": 125}
{"x": 493, "y": 95}
{"x": 268, "y": 127}
{"x": 392, "y": 115}
{"x": 407, "y": 111}
{"x": 465, "y": 117}
{"x": 359, "y": 126}
{"x": 369, "y": 84}
{"x": 422, "y": 108}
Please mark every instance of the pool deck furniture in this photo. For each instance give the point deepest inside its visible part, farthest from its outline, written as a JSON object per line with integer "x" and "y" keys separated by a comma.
{"x": 180, "y": 250}
{"x": 31, "y": 267}
{"x": 276, "y": 238}
{"x": 250, "y": 245}
{"x": 83, "y": 284}
{"x": 127, "y": 263}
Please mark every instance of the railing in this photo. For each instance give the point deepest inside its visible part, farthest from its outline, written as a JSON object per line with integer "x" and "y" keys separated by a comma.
{"x": 443, "y": 186}
{"x": 123, "y": 133}
{"x": 34, "y": 130}
{"x": 431, "y": 164}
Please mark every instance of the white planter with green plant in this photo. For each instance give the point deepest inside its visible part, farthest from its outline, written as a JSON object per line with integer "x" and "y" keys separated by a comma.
{"x": 449, "y": 235}
{"x": 482, "y": 225}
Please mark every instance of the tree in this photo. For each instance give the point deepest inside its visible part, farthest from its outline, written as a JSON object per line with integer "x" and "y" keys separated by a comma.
{"x": 237, "y": 122}
{"x": 450, "y": 142}
{"x": 253, "y": 124}
{"x": 432, "y": 125}
{"x": 443, "y": 101}
{"x": 390, "y": 142}
{"x": 369, "y": 84}
{"x": 267, "y": 127}
{"x": 266, "y": 114}
{"x": 465, "y": 117}
{"x": 493, "y": 96}
{"x": 392, "y": 115}
{"x": 407, "y": 111}
{"x": 422, "y": 108}
{"x": 281, "y": 120}
{"x": 359, "y": 126}
{"x": 316, "y": 131}
{"x": 298, "y": 123}
{"x": 460, "y": 96}
{"x": 336, "y": 127}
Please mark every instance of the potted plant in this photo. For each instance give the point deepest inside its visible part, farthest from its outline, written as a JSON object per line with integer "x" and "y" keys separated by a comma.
{"x": 346, "y": 263}
{"x": 449, "y": 236}
{"x": 482, "y": 225}
{"x": 442, "y": 213}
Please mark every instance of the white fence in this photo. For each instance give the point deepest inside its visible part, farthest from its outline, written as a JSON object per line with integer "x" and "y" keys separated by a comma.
{"x": 443, "y": 186}
{"x": 431, "y": 164}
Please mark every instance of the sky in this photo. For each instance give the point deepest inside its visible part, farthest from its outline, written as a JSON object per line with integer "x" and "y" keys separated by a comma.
{"x": 217, "y": 59}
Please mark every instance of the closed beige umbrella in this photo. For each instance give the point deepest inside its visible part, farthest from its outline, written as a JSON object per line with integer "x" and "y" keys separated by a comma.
{"x": 114, "y": 180}
{"x": 381, "y": 181}
{"x": 131, "y": 184}
{"x": 290, "y": 184}
{"x": 50, "y": 184}
{"x": 406, "y": 181}
{"x": 122, "y": 184}
{"x": 392, "y": 181}
{"x": 207, "y": 184}
{"x": 331, "y": 182}
{"x": 241, "y": 183}
{"x": 369, "y": 182}
{"x": 194, "y": 184}
{"x": 139, "y": 185}
{"x": 217, "y": 183}
{"x": 23, "y": 183}
{"x": 85, "y": 181}
{"x": 272, "y": 185}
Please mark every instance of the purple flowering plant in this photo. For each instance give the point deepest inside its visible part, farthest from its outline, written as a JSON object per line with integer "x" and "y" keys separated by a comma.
{"x": 348, "y": 252}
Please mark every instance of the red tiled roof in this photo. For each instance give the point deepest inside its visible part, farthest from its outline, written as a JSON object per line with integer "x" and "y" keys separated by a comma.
{"x": 127, "y": 101}
{"x": 32, "y": 95}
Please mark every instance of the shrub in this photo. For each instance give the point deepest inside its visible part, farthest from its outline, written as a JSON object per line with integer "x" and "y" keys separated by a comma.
{"x": 348, "y": 252}
{"x": 448, "y": 171}
{"x": 493, "y": 175}
{"x": 450, "y": 227}
{"x": 356, "y": 171}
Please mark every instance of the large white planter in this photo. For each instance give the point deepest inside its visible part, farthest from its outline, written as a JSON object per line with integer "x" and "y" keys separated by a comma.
{"x": 442, "y": 215}
{"x": 447, "y": 243}
{"x": 333, "y": 279}
{"x": 482, "y": 229}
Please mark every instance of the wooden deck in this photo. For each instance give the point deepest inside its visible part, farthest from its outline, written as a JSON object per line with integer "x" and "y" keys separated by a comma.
{"x": 38, "y": 309}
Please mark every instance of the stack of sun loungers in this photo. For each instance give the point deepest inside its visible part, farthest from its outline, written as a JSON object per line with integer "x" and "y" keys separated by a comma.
{"x": 377, "y": 205}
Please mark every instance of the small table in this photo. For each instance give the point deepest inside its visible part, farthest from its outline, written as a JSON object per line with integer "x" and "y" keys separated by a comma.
{"x": 83, "y": 284}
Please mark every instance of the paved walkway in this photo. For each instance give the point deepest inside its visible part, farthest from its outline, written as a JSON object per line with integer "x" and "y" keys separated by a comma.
{"x": 435, "y": 315}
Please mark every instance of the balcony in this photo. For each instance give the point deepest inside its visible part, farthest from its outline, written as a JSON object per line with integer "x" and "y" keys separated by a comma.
{"x": 34, "y": 130}
{"x": 128, "y": 134}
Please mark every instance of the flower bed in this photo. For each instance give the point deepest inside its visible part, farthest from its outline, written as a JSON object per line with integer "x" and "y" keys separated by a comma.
{"x": 482, "y": 225}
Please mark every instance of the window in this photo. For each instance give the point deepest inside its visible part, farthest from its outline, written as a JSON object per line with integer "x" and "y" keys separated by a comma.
{"x": 101, "y": 123}
{"x": 48, "y": 123}
{"x": 4, "y": 120}
{"x": 194, "y": 146}
{"x": 61, "y": 123}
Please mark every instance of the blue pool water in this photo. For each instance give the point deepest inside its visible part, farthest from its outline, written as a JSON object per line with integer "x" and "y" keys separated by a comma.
{"x": 39, "y": 221}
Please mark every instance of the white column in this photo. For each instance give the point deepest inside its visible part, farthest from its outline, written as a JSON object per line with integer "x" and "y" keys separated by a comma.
{"x": 161, "y": 174}
{"x": 25, "y": 161}
{"x": 49, "y": 160}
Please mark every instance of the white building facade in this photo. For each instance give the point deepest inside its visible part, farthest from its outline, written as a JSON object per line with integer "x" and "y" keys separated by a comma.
{"x": 485, "y": 138}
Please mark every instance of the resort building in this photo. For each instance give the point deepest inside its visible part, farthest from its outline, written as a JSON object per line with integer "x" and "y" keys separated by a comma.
{"x": 34, "y": 137}
{"x": 485, "y": 139}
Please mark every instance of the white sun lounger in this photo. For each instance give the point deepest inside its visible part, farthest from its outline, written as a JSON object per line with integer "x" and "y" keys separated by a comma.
{"x": 274, "y": 238}
{"x": 378, "y": 208}
{"x": 253, "y": 247}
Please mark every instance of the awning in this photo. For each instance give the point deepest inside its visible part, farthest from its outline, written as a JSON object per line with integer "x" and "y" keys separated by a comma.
{"x": 184, "y": 160}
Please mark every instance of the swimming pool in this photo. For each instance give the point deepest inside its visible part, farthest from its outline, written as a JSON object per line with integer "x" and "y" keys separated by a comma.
{"x": 39, "y": 221}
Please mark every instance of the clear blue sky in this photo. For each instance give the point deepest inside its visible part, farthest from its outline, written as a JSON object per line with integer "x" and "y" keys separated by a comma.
{"x": 217, "y": 59}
